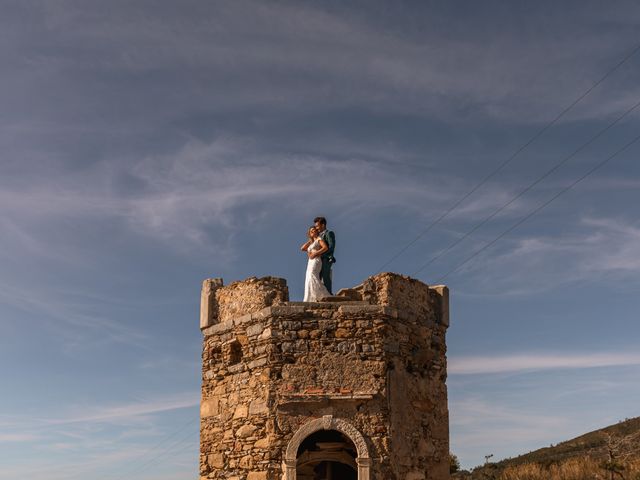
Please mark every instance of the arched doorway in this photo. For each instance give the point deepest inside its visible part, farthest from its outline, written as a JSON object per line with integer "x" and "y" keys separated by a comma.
{"x": 326, "y": 455}
{"x": 336, "y": 450}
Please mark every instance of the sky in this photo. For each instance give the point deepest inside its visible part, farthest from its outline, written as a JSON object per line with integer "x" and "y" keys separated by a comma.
{"x": 148, "y": 145}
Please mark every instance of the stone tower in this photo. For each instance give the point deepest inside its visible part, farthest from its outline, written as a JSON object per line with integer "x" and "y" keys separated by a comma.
{"x": 349, "y": 388}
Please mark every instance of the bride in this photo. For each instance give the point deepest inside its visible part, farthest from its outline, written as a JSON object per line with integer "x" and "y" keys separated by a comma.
{"x": 314, "y": 289}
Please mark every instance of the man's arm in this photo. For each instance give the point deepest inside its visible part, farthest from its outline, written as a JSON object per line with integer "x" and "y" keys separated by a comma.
{"x": 318, "y": 253}
{"x": 330, "y": 239}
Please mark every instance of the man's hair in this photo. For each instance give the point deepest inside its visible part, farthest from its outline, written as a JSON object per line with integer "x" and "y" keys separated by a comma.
{"x": 322, "y": 220}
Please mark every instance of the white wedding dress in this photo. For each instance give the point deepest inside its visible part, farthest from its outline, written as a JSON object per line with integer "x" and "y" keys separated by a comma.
{"x": 314, "y": 289}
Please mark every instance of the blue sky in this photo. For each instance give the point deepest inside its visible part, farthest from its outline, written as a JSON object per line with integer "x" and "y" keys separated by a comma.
{"x": 149, "y": 145}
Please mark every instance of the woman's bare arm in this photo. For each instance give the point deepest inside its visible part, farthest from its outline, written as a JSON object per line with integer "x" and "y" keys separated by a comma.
{"x": 323, "y": 248}
{"x": 305, "y": 245}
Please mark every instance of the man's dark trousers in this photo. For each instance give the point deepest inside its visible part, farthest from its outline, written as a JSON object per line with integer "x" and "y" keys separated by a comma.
{"x": 327, "y": 258}
{"x": 325, "y": 272}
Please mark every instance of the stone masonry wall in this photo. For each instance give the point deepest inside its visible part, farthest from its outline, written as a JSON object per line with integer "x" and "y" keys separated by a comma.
{"x": 270, "y": 371}
{"x": 410, "y": 296}
{"x": 219, "y": 303}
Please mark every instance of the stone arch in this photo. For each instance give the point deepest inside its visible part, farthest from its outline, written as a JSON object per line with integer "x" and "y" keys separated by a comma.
{"x": 327, "y": 422}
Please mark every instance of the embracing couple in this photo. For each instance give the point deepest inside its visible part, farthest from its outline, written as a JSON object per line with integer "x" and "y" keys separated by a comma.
{"x": 319, "y": 247}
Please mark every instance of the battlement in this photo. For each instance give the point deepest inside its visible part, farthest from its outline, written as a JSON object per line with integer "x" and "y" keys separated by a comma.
{"x": 408, "y": 297}
{"x": 355, "y": 382}
{"x": 220, "y": 304}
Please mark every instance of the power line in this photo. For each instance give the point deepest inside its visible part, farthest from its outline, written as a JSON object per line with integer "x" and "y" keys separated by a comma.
{"x": 537, "y": 209}
{"x": 132, "y": 464}
{"x": 529, "y": 187}
{"x": 508, "y": 160}
{"x": 169, "y": 452}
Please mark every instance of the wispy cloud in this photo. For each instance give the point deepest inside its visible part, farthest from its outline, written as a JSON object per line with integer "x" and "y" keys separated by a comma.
{"x": 19, "y": 437}
{"x": 508, "y": 413}
{"x": 76, "y": 321}
{"x": 104, "y": 438}
{"x": 203, "y": 186}
{"x": 86, "y": 423}
{"x": 472, "y": 411}
{"x": 593, "y": 248}
{"x": 125, "y": 412}
{"x": 480, "y": 365}
{"x": 103, "y": 463}
{"x": 134, "y": 136}
{"x": 293, "y": 56}
{"x": 479, "y": 428}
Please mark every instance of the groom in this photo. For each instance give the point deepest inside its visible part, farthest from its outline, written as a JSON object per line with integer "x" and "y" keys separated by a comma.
{"x": 327, "y": 256}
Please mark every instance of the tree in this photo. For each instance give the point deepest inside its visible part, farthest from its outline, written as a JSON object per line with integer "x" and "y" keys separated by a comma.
{"x": 454, "y": 463}
{"x": 619, "y": 449}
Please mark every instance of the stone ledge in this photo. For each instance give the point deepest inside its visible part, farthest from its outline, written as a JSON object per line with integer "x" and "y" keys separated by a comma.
{"x": 356, "y": 309}
{"x": 299, "y": 309}
{"x": 285, "y": 310}
{"x": 218, "y": 328}
{"x": 320, "y": 397}
{"x": 326, "y": 305}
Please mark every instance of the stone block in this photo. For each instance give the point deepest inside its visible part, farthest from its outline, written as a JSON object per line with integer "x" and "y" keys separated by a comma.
{"x": 216, "y": 460}
{"x": 241, "y": 411}
{"x": 287, "y": 311}
{"x": 208, "y": 304}
{"x": 258, "y": 476}
{"x": 258, "y": 407}
{"x": 263, "y": 443}
{"x": 360, "y": 309}
{"x": 218, "y": 328}
{"x": 260, "y": 362}
{"x": 415, "y": 475}
{"x": 443, "y": 291}
{"x": 209, "y": 407}
{"x": 246, "y": 462}
{"x": 246, "y": 431}
{"x": 262, "y": 313}
{"x": 267, "y": 333}
{"x": 291, "y": 325}
{"x": 242, "y": 319}
{"x": 255, "y": 330}
{"x": 342, "y": 333}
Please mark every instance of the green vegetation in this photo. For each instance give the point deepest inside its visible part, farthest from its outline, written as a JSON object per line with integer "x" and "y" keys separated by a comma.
{"x": 454, "y": 463}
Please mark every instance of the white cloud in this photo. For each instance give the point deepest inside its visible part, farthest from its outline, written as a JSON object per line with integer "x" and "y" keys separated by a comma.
{"x": 481, "y": 365}
{"x": 474, "y": 412}
{"x": 291, "y": 57}
{"x": 92, "y": 439}
{"x": 203, "y": 186}
{"x": 86, "y": 416}
{"x": 125, "y": 412}
{"x": 618, "y": 243}
{"x": 18, "y": 437}
{"x": 511, "y": 412}
{"x": 594, "y": 248}
{"x": 480, "y": 427}
{"x": 76, "y": 319}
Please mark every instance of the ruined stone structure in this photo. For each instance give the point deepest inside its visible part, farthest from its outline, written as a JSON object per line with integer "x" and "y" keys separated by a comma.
{"x": 349, "y": 388}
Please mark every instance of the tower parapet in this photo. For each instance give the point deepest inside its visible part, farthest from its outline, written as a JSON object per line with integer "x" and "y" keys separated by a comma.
{"x": 348, "y": 388}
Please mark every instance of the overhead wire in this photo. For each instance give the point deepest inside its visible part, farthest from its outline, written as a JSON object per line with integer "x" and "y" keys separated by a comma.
{"x": 162, "y": 456}
{"x": 132, "y": 464}
{"x": 509, "y": 159}
{"x": 184, "y": 439}
{"x": 528, "y": 188}
{"x": 540, "y": 207}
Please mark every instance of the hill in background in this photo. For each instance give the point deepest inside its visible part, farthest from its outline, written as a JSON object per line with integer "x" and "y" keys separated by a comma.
{"x": 612, "y": 452}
